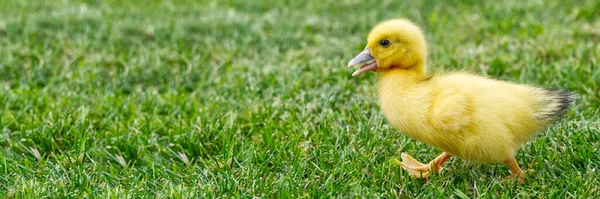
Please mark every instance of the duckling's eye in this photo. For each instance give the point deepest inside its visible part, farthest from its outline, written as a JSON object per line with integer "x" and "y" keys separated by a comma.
{"x": 384, "y": 42}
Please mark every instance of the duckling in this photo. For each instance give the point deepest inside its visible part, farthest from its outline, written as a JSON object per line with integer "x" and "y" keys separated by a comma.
{"x": 467, "y": 116}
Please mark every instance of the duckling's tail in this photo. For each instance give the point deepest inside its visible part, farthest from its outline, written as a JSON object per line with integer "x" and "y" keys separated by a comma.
{"x": 556, "y": 105}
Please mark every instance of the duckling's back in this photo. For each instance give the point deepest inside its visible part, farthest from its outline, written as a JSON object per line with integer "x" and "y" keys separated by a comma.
{"x": 471, "y": 117}
{"x": 491, "y": 119}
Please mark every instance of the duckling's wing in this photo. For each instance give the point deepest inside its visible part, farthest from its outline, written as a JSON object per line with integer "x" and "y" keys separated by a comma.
{"x": 449, "y": 111}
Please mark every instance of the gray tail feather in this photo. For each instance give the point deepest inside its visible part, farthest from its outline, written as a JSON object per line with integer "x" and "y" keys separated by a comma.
{"x": 562, "y": 102}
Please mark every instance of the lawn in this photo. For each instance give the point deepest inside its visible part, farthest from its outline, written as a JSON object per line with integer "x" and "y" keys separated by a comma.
{"x": 241, "y": 99}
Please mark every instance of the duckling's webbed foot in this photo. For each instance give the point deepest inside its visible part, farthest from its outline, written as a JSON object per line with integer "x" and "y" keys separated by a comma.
{"x": 417, "y": 169}
{"x": 515, "y": 170}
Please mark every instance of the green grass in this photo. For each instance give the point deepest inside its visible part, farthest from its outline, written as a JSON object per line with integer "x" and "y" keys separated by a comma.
{"x": 241, "y": 99}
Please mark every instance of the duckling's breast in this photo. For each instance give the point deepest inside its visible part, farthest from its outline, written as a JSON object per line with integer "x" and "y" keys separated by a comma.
{"x": 406, "y": 107}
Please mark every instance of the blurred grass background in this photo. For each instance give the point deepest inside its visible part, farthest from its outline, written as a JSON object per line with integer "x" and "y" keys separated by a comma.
{"x": 237, "y": 98}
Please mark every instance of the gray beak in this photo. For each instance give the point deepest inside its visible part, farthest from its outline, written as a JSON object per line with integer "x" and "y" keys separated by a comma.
{"x": 366, "y": 62}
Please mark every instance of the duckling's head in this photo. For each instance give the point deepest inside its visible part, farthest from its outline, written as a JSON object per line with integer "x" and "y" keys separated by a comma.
{"x": 396, "y": 44}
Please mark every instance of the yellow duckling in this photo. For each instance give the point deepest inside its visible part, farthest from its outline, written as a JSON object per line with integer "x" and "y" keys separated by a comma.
{"x": 467, "y": 116}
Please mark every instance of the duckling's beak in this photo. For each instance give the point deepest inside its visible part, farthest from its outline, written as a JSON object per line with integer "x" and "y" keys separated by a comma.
{"x": 365, "y": 61}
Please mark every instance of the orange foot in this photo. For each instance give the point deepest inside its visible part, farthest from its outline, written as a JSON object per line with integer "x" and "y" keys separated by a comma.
{"x": 515, "y": 170}
{"x": 417, "y": 169}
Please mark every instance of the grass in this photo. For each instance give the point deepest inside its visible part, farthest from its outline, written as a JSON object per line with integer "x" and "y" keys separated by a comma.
{"x": 247, "y": 99}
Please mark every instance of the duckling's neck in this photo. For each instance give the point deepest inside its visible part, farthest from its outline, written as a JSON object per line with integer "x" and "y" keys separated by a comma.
{"x": 402, "y": 78}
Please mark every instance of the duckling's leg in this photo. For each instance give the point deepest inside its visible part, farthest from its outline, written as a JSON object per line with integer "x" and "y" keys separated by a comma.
{"x": 515, "y": 171}
{"x": 419, "y": 170}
